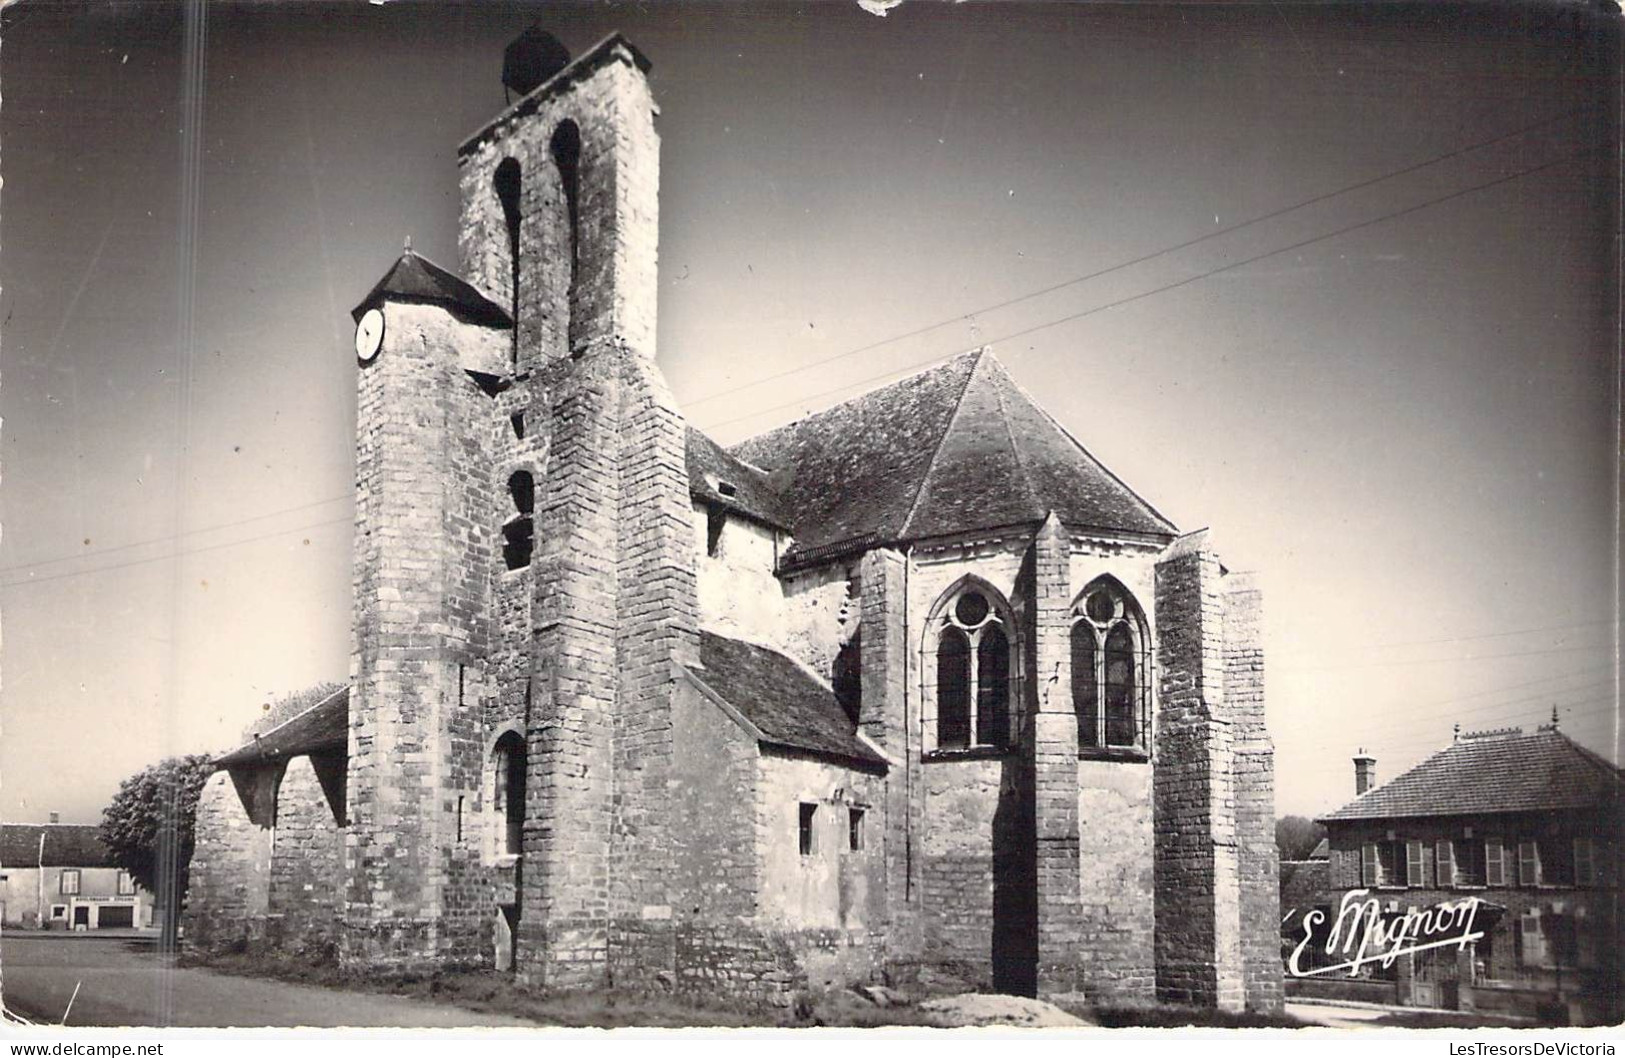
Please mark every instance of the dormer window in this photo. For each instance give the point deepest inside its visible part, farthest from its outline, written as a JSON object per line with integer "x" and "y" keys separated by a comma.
{"x": 727, "y": 488}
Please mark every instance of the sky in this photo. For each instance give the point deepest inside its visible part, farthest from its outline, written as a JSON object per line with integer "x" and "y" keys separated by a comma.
{"x": 1337, "y": 282}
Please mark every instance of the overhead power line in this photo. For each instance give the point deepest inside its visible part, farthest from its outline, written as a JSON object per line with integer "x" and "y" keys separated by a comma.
{"x": 173, "y": 536}
{"x": 1023, "y": 332}
{"x": 28, "y": 581}
{"x": 1144, "y": 258}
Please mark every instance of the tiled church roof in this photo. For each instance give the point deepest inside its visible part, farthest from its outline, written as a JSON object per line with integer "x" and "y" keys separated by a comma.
{"x": 322, "y": 727}
{"x": 955, "y": 448}
{"x": 779, "y": 698}
{"x": 66, "y": 845}
{"x": 1495, "y": 773}
{"x": 711, "y": 469}
{"x": 414, "y": 278}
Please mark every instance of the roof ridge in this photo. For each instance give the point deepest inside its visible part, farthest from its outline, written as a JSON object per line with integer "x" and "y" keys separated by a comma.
{"x": 980, "y": 355}
{"x": 1015, "y": 449}
{"x": 1053, "y": 421}
{"x": 899, "y": 380}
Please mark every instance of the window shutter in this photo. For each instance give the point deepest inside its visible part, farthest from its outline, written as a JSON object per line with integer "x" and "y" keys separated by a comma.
{"x": 1584, "y": 862}
{"x": 1368, "y": 865}
{"x": 1494, "y": 863}
{"x": 1528, "y": 863}
{"x": 1444, "y": 864}
{"x": 1413, "y": 864}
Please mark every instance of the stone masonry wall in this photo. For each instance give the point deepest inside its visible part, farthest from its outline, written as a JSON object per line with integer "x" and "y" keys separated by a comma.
{"x": 306, "y": 881}
{"x": 228, "y": 886}
{"x": 1055, "y": 764}
{"x": 1258, "y": 858}
{"x": 657, "y": 631}
{"x": 1198, "y": 927}
{"x": 422, "y": 490}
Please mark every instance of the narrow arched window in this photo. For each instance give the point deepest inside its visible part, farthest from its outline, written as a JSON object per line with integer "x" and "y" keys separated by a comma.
{"x": 507, "y": 181}
{"x": 566, "y": 149}
{"x": 1085, "y": 691}
{"x": 508, "y": 762}
{"x": 974, "y": 671}
{"x": 953, "y": 690}
{"x": 1110, "y": 670}
{"x": 993, "y": 688}
{"x": 1120, "y": 688}
{"x": 519, "y": 532}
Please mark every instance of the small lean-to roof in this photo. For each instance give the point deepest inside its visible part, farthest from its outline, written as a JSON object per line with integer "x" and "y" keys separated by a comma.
{"x": 414, "y": 278}
{"x": 785, "y": 704}
{"x": 1493, "y": 773}
{"x": 711, "y": 469}
{"x": 956, "y": 448}
{"x": 66, "y": 845}
{"x": 323, "y": 728}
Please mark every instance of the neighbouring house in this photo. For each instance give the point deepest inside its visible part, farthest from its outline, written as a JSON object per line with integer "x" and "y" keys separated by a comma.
{"x": 61, "y": 876}
{"x": 913, "y": 689}
{"x": 1530, "y": 826}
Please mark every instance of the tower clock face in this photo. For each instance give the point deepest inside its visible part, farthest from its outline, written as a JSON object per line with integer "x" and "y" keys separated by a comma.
{"x": 369, "y": 335}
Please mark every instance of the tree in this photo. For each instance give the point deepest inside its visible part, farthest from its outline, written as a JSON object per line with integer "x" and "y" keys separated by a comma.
{"x": 147, "y": 828}
{"x": 1297, "y": 836}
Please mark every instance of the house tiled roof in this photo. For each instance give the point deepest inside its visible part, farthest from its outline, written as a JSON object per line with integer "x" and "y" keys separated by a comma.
{"x": 711, "y": 470}
{"x": 324, "y": 727}
{"x": 414, "y": 278}
{"x": 66, "y": 845}
{"x": 780, "y": 699}
{"x": 1494, "y": 773}
{"x": 952, "y": 449}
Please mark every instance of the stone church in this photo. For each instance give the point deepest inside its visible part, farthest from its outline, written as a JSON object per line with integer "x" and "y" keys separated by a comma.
{"x": 910, "y": 690}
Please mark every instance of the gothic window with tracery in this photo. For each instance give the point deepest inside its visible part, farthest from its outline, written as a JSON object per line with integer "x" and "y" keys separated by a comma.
{"x": 1110, "y": 670}
{"x": 973, "y": 672}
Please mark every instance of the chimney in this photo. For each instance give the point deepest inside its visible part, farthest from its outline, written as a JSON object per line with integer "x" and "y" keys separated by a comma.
{"x": 1365, "y": 772}
{"x": 56, "y": 817}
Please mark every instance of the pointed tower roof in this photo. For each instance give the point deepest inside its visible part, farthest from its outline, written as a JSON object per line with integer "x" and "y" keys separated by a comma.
{"x": 414, "y": 278}
{"x": 952, "y": 449}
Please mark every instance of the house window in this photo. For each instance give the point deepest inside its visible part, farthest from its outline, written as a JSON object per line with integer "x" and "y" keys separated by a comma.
{"x": 126, "y": 884}
{"x": 1110, "y": 669}
{"x": 59, "y": 910}
{"x": 1415, "y": 866}
{"x": 854, "y": 825}
{"x": 68, "y": 882}
{"x": 1468, "y": 859}
{"x": 1383, "y": 864}
{"x": 1495, "y": 863}
{"x": 1444, "y": 864}
{"x": 508, "y": 763}
{"x": 974, "y": 672}
{"x": 1528, "y": 863}
{"x": 1556, "y": 861}
{"x": 806, "y": 834}
{"x": 1585, "y": 862}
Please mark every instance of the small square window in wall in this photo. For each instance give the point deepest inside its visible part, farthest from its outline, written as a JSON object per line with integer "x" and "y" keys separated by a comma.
{"x": 807, "y": 835}
{"x": 69, "y": 883}
{"x": 854, "y": 823}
